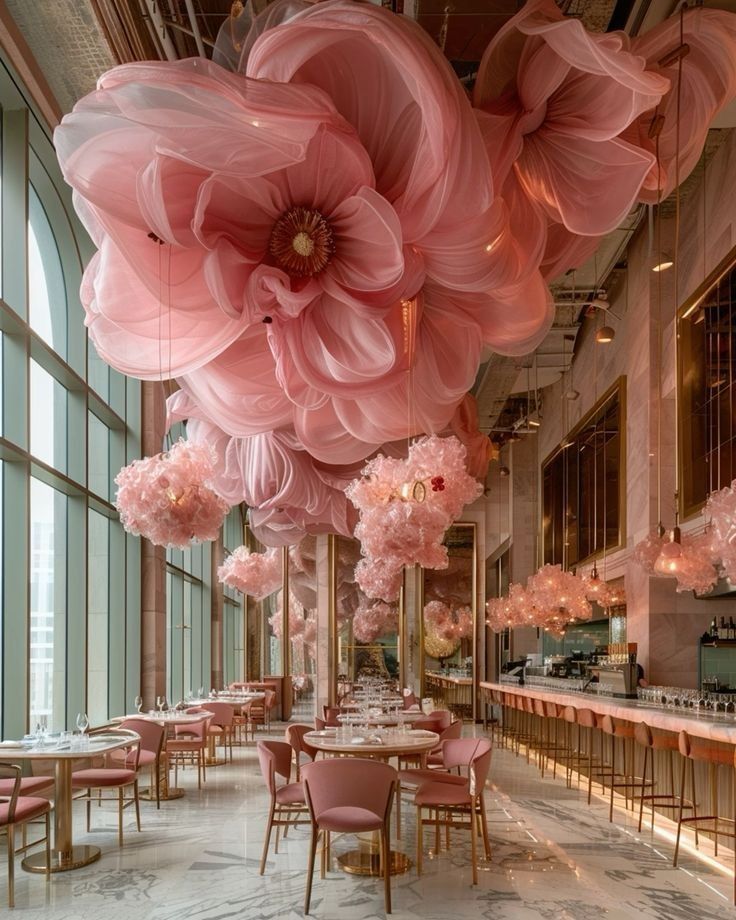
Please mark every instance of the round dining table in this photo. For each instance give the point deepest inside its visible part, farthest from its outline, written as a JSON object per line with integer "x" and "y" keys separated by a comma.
{"x": 64, "y": 854}
{"x": 378, "y": 745}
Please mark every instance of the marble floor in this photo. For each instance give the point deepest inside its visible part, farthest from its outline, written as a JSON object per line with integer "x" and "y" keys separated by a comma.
{"x": 554, "y": 858}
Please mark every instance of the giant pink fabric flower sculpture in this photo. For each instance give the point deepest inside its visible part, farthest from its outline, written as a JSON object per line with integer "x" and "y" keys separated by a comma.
{"x": 255, "y": 574}
{"x": 554, "y": 100}
{"x": 405, "y": 508}
{"x": 168, "y": 498}
{"x": 279, "y": 282}
{"x": 287, "y": 491}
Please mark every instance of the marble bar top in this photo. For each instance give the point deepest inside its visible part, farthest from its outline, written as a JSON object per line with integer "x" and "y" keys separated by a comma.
{"x": 445, "y": 678}
{"x": 712, "y": 726}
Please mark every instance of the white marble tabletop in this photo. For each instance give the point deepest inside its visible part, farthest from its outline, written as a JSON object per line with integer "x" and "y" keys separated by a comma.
{"x": 415, "y": 741}
{"x": 711, "y": 726}
{"x": 170, "y": 717}
{"x": 52, "y": 749}
{"x": 382, "y": 718}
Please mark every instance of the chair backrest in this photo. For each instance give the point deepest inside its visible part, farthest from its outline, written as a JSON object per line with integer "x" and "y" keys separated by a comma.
{"x": 330, "y": 714}
{"x": 408, "y": 698}
{"x": 274, "y": 758}
{"x": 460, "y": 752}
{"x": 319, "y": 724}
{"x": 428, "y": 724}
{"x": 480, "y": 767}
{"x": 453, "y": 730}
{"x": 222, "y": 714}
{"x": 643, "y": 735}
{"x": 152, "y": 734}
{"x": 196, "y": 729}
{"x": 443, "y": 717}
{"x": 238, "y": 685}
{"x": 295, "y": 738}
{"x": 551, "y": 710}
{"x": 586, "y": 718}
{"x": 349, "y": 782}
{"x": 270, "y": 700}
{"x": 130, "y": 753}
{"x": 570, "y": 714}
{"x": 10, "y": 770}
{"x": 538, "y": 707}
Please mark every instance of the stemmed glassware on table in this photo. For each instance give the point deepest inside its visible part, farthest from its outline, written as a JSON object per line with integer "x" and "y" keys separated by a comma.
{"x": 138, "y": 702}
{"x": 160, "y": 703}
{"x": 41, "y": 728}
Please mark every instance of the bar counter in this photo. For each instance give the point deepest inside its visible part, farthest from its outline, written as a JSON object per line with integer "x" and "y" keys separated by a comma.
{"x": 713, "y": 726}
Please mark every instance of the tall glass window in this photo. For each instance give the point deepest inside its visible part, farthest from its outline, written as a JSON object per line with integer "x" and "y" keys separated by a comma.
{"x": 68, "y": 424}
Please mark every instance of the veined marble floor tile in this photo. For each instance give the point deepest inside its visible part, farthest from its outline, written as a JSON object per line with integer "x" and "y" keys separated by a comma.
{"x": 553, "y": 858}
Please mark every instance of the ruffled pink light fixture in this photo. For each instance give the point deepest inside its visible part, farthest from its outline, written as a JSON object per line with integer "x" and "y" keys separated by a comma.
{"x": 275, "y": 287}
{"x": 255, "y": 574}
{"x": 168, "y": 499}
{"x": 405, "y": 507}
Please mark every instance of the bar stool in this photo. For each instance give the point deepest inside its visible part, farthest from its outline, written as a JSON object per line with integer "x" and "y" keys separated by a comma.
{"x": 661, "y": 742}
{"x": 692, "y": 750}
{"x": 547, "y": 741}
{"x": 615, "y": 729}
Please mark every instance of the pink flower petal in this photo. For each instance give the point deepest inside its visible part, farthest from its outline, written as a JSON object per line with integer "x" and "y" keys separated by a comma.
{"x": 368, "y": 253}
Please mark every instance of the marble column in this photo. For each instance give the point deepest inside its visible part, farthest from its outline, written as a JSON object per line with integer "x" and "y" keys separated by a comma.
{"x": 153, "y": 564}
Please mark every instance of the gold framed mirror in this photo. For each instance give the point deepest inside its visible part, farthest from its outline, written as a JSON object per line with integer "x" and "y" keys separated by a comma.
{"x": 448, "y": 635}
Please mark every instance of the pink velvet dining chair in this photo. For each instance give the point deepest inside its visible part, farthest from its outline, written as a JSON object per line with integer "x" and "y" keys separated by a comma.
{"x": 330, "y": 714}
{"x": 151, "y": 748}
{"x": 220, "y": 726}
{"x": 189, "y": 745}
{"x": 349, "y": 796}
{"x": 287, "y": 798}
{"x": 440, "y": 796}
{"x": 294, "y": 735}
{"x": 16, "y": 809}
{"x": 122, "y": 778}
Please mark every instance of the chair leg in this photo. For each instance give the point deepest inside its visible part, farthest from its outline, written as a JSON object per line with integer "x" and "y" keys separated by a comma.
{"x": 11, "y": 864}
{"x": 120, "y": 816}
{"x": 473, "y": 842}
{"x": 679, "y": 814}
{"x": 420, "y": 842}
{"x": 48, "y": 845}
{"x": 692, "y": 793}
{"x": 310, "y": 867}
{"x": 386, "y": 840}
{"x": 137, "y": 805}
{"x": 266, "y": 842}
{"x": 398, "y": 809}
{"x": 643, "y": 782}
{"x": 484, "y": 827}
{"x": 613, "y": 776}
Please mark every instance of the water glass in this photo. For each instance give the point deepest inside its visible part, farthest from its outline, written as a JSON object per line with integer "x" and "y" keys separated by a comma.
{"x": 138, "y": 702}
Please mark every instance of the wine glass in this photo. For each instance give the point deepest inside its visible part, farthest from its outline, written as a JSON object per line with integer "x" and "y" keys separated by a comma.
{"x": 138, "y": 703}
{"x": 82, "y": 722}
{"x": 160, "y": 700}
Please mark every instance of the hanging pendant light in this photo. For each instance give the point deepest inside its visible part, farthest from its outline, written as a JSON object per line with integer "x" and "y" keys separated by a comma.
{"x": 605, "y": 335}
{"x": 670, "y": 558}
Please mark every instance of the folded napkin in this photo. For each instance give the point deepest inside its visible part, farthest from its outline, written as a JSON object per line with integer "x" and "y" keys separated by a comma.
{"x": 11, "y": 744}
{"x": 358, "y": 740}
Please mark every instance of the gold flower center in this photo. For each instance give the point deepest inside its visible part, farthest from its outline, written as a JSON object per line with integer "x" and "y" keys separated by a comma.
{"x": 302, "y": 242}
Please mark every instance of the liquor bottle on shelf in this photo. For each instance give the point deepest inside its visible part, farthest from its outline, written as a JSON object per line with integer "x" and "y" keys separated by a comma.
{"x": 713, "y": 629}
{"x": 722, "y": 631}
{"x": 731, "y": 629}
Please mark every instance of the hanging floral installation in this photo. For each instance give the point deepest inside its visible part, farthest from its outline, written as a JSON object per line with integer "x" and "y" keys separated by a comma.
{"x": 168, "y": 498}
{"x": 255, "y": 574}
{"x": 600, "y": 591}
{"x": 721, "y": 509}
{"x": 551, "y": 600}
{"x": 405, "y": 507}
{"x": 449, "y": 621}
{"x": 373, "y": 620}
{"x": 264, "y": 230}
{"x": 691, "y": 559}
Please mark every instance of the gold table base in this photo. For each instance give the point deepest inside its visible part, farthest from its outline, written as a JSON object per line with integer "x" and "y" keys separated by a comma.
{"x": 62, "y": 862}
{"x": 365, "y": 862}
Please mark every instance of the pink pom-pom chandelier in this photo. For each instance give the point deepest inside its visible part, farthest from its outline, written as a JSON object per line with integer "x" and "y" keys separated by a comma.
{"x": 168, "y": 499}
{"x": 255, "y": 574}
